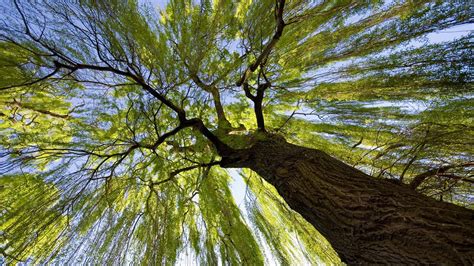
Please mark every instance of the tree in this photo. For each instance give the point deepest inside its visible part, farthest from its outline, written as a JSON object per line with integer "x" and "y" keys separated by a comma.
{"x": 117, "y": 124}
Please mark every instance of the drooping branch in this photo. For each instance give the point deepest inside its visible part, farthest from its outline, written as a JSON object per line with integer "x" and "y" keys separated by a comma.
{"x": 73, "y": 66}
{"x": 194, "y": 122}
{"x": 138, "y": 79}
{"x": 64, "y": 62}
{"x": 42, "y": 111}
{"x": 29, "y": 83}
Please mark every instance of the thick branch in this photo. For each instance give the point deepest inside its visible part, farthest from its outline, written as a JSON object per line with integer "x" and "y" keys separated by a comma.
{"x": 216, "y": 97}
{"x": 221, "y": 118}
{"x": 176, "y": 172}
{"x": 248, "y": 94}
{"x": 222, "y": 148}
{"x": 258, "y": 98}
{"x": 73, "y": 66}
{"x": 197, "y": 123}
{"x": 280, "y": 4}
{"x": 419, "y": 179}
{"x": 163, "y": 137}
{"x": 257, "y": 102}
{"x": 258, "y": 105}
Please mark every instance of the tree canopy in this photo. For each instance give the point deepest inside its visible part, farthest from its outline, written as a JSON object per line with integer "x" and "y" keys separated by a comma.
{"x": 114, "y": 117}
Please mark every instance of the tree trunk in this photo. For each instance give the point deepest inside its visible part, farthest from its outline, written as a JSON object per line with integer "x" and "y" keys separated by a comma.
{"x": 366, "y": 220}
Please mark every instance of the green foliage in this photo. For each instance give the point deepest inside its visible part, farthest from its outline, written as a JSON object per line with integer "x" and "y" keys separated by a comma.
{"x": 98, "y": 164}
{"x": 23, "y": 197}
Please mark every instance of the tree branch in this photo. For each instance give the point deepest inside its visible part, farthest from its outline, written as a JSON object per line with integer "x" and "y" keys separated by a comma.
{"x": 280, "y": 4}
{"x": 139, "y": 80}
{"x": 176, "y": 172}
{"x": 31, "y": 82}
{"x": 46, "y": 112}
{"x": 419, "y": 179}
{"x": 260, "y": 61}
{"x": 258, "y": 105}
{"x": 67, "y": 63}
{"x": 216, "y": 97}
{"x": 197, "y": 123}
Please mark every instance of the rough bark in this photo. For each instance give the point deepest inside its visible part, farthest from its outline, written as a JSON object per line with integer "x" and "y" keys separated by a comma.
{"x": 366, "y": 220}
